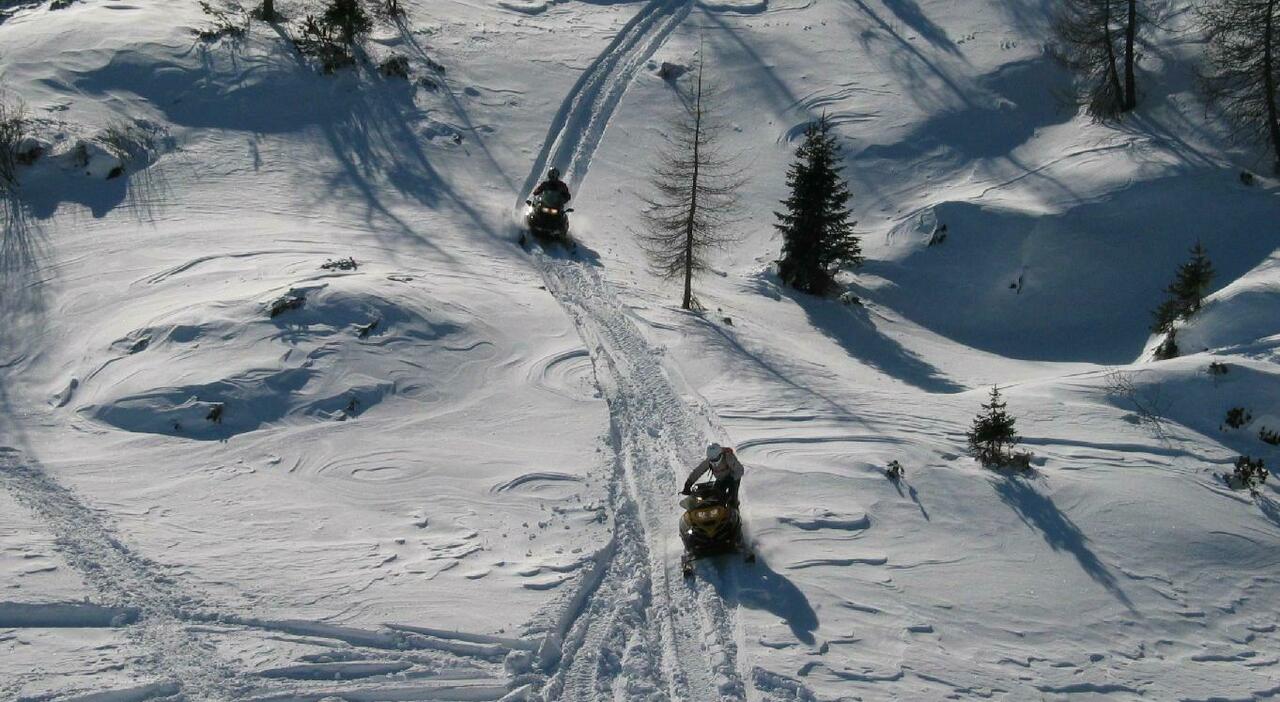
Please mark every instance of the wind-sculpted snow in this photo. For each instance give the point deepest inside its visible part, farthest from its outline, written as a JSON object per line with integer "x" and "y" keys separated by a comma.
{"x": 313, "y": 362}
{"x": 474, "y": 498}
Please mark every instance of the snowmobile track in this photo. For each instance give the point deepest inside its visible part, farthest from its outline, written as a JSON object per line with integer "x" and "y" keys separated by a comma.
{"x": 644, "y": 632}
{"x": 579, "y": 124}
{"x": 691, "y": 649}
{"x": 122, "y": 578}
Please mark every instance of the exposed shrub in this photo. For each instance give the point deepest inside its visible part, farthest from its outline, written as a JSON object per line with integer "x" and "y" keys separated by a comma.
{"x": 13, "y": 131}
{"x": 895, "y": 470}
{"x": 289, "y": 301}
{"x": 341, "y": 264}
{"x": 1147, "y": 402}
{"x": 1238, "y": 417}
{"x": 128, "y": 141}
{"x": 396, "y": 66}
{"x": 1217, "y": 369}
{"x": 231, "y": 22}
{"x": 1250, "y": 474}
{"x": 1269, "y": 436}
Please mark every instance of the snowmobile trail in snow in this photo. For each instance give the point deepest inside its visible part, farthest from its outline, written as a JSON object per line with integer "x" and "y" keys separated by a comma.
{"x": 641, "y": 630}
{"x": 579, "y": 124}
{"x": 122, "y": 578}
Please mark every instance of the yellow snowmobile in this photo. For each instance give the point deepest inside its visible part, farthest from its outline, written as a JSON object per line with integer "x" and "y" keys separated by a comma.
{"x": 709, "y": 526}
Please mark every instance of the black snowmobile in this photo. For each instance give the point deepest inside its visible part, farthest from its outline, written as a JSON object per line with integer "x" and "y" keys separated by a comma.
{"x": 709, "y": 526}
{"x": 548, "y": 219}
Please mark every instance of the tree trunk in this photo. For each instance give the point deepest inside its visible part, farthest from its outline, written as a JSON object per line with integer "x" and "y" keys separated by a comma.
{"x": 1269, "y": 80}
{"x": 693, "y": 197}
{"x": 268, "y": 10}
{"x": 1113, "y": 73}
{"x": 1130, "y": 35}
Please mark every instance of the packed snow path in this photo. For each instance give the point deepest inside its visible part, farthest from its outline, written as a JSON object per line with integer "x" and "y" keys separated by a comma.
{"x": 643, "y": 631}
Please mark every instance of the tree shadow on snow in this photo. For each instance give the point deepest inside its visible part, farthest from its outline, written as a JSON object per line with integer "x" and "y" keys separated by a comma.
{"x": 370, "y": 124}
{"x": 910, "y": 14}
{"x": 757, "y": 586}
{"x": 775, "y": 369}
{"x": 1270, "y": 508}
{"x": 1018, "y": 101}
{"x": 1038, "y": 511}
{"x": 853, "y": 329}
{"x": 23, "y": 251}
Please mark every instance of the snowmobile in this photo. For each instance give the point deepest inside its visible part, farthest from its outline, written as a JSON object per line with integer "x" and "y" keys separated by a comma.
{"x": 709, "y": 526}
{"x": 548, "y": 219}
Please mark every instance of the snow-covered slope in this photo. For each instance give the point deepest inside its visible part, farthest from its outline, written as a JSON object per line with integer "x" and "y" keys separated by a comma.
{"x": 449, "y": 473}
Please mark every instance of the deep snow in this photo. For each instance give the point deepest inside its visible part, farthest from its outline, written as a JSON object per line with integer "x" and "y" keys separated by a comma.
{"x": 475, "y": 498}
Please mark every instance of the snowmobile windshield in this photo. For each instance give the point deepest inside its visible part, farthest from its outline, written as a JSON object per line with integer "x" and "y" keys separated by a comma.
{"x": 550, "y": 198}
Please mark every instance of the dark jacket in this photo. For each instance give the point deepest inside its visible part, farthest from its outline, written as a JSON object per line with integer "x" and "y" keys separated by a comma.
{"x": 557, "y": 185}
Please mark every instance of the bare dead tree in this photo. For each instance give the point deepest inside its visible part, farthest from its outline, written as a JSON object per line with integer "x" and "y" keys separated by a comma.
{"x": 1097, "y": 39}
{"x": 1148, "y": 403}
{"x": 1243, "y": 69}
{"x": 696, "y": 187}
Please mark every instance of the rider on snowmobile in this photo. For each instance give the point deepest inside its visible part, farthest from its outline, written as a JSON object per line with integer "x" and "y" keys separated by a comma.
{"x": 726, "y": 469}
{"x": 554, "y": 183}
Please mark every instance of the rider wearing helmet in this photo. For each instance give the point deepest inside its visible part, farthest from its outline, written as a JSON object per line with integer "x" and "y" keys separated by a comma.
{"x": 726, "y": 468}
{"x": 554, "y": 183}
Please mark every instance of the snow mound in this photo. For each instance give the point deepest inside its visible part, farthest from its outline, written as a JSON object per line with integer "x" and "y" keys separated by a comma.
{"x": 315, "y": 351}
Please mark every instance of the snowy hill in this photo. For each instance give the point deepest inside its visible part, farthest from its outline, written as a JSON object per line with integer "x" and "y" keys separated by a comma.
{"x": 234, "y": 469}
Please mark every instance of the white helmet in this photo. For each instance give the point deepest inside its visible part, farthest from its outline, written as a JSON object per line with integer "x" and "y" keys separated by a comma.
{"x": 714, "y": 452}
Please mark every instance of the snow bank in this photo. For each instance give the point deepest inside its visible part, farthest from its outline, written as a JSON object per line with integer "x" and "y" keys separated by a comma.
{"x": 64, "y": 615}
{"x": 1243, "y": 316}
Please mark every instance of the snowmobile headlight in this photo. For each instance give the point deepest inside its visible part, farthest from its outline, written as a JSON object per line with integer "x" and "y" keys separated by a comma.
{"x": 550, "y": 210}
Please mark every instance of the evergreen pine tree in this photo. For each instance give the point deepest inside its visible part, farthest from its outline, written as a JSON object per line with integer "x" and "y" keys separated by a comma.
{"x": 1186, "y": 294}
{"x": 817, "y": 235}
{"x": 1193, "y": 280}
{"x": 349, "y": 18}
{"x": 992, "y": 434}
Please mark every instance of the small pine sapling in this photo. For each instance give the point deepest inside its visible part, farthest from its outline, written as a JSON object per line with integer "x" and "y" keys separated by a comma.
{"x": 895, "y": 471}
{"x": 1269, "y": 436}
{"x": 993, "y": 436}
